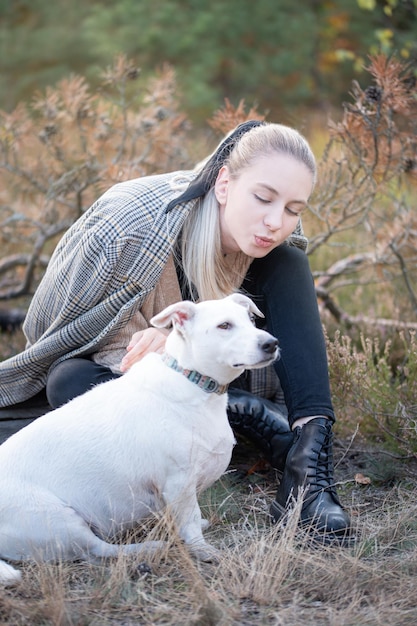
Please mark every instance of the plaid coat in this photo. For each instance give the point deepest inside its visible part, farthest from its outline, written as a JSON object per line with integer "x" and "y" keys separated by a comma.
{"x": 98, "y": 278}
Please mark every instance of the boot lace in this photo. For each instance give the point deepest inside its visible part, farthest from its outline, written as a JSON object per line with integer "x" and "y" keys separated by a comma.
{"x": 321, "y": 478}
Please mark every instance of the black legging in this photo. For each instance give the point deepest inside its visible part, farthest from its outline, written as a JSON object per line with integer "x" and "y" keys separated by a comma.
{"x": 72, "y": 377}
{"x": 283, "y": 288}
{"x": 286, "y": 295}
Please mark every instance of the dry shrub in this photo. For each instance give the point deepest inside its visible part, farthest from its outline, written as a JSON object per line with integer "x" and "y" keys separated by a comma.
{"x": 229, "y": 116}
{"x": 379, "y": 127}
{"x": 59, "y": 153}
{"x": 363, "y": 244}
{"x": 374, "y": 384}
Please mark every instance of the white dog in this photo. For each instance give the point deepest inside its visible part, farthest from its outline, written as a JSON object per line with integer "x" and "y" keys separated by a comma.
{"x": 155, "y": 437}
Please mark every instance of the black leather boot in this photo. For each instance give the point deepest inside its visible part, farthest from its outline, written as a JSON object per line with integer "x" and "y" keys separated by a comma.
{"x": 261, "y": 422}
{"x": 310, "y": 466}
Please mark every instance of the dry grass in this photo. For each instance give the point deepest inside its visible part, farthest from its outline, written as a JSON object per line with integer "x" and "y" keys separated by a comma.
{"x": 267, "y": 575}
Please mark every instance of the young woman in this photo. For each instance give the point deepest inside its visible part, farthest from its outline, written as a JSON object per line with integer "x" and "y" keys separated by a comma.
{"x": 233, "y": 223}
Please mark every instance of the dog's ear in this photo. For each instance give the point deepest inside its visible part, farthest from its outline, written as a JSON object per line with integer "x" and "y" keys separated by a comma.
{"x": 243, "y": 300}
{"x": 175, "y": 314}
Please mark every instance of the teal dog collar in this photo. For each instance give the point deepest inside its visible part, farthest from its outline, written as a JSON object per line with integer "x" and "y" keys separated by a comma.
{"x": 207, "y": 384}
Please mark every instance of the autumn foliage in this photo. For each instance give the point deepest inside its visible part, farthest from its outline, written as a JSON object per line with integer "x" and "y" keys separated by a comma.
{"x": 61, "y": 151}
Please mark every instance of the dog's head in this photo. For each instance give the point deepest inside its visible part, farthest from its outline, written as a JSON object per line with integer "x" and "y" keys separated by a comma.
{"x": 218, "y": 338}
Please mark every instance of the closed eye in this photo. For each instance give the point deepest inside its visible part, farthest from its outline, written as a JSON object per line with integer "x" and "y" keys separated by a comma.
{"x": 261, "y": 199}
{"x": 291, "y": 211}
{"x": 225, "y": 326}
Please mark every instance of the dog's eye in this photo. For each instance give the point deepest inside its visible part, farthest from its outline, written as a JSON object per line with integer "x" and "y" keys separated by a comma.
{"x": 252, "y": 318}
{"x": 225, "y": 326}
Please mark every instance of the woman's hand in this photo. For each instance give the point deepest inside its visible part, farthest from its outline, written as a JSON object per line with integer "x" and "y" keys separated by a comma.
{"x": 143, "y": 342}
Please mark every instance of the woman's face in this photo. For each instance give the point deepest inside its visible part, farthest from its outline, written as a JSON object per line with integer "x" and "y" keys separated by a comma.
{"x": 261, "y": 207}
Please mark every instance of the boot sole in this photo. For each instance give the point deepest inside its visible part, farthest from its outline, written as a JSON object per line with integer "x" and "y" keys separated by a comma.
{"x": 316, "y": 537}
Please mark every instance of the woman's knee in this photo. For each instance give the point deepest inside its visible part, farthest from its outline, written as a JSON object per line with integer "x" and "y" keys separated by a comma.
{"x": 289, "y": 259}
{"x": 286, "y": 267}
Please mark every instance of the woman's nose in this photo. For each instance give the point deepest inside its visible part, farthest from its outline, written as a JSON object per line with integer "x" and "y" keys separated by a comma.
{"x": 273, "y": 219}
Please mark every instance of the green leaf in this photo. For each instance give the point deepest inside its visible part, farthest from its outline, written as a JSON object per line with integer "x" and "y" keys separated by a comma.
{"x": 367, "y": 5}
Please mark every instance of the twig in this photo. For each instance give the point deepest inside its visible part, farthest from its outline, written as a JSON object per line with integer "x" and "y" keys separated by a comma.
{"x": 349, "y": 446}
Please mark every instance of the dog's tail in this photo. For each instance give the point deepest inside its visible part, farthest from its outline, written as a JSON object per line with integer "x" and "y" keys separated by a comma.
{"x": 8, "y": 574}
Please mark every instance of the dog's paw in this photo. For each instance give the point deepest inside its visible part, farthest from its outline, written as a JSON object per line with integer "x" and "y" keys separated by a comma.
{"x": 9, "y": 576}
{"x": 205, "y": 553}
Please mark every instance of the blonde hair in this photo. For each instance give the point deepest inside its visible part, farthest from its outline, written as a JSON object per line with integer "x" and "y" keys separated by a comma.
{"x": 207, "y": 270}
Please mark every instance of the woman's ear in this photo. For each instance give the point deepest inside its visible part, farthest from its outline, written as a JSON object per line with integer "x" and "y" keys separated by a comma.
{"x": 221, "y": 184}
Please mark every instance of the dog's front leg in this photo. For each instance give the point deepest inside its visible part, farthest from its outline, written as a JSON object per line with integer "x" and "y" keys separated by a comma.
{"x": 187, "y": 515}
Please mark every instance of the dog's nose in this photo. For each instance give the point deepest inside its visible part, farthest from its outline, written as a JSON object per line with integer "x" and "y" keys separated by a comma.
{"x": 269, "y": 346}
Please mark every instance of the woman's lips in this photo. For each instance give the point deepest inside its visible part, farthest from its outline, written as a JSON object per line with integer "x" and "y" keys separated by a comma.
{"x": 263, "y": 242}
